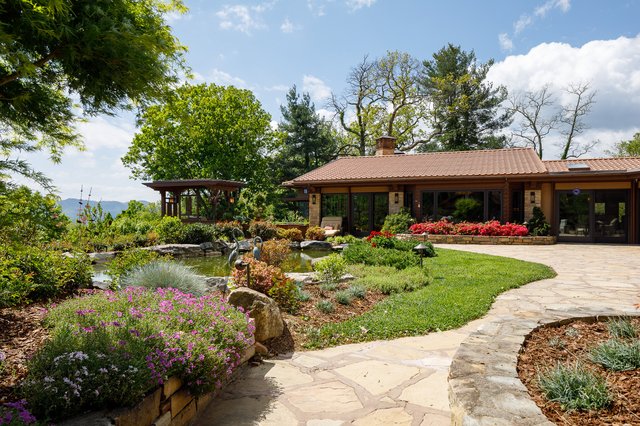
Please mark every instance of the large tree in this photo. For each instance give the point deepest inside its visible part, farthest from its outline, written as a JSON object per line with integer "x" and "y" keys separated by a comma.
{"x": 203, "y": 132}
{"x": 538, "y": 116}
{"x": 307, "y": 138}
{"x": 465, "y": 108}
{"x": 102, "y": 54}
{"x": 630, "y": 148}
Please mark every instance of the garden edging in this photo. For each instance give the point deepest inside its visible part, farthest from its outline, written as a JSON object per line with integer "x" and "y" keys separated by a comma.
{"x": 484, "y": 387}
{"x": 480, "y": 239}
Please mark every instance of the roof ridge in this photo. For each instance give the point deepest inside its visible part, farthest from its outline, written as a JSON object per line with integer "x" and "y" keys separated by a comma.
{"x": 470, "y": 151}
{"x": 589, "y": 159}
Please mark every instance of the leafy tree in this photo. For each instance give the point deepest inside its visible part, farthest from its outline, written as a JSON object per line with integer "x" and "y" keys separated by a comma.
{"x": 465, "y": 107}
{"x": 28, "y": 216}
{"x": 107, "y": 54}
{"x": 630, "y": 148}
{"x": 203, "y": 132}
{"x": 539, "y": 116}
{"x": 307, "y": 139}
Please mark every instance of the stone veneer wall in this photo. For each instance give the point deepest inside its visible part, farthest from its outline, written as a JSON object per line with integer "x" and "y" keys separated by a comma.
{"x": 393, "y": 206}
{"x": 480, "y": 239}
{"x": 528, "y": 205}
{"x": 314, "y": 210}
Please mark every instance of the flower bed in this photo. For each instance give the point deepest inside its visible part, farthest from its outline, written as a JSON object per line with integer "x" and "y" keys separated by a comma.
{"x": 111, "y": 349}
{"x": 492, "y": 228}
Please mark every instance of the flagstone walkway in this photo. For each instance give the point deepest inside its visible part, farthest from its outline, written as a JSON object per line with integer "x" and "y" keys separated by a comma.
{"x": 404, "y": 381}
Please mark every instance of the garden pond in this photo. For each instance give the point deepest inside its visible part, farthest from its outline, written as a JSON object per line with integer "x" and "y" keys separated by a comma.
{"x": 217, "y": 266}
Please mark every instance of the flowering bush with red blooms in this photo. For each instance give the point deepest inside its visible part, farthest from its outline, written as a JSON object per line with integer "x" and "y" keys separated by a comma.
{"x": 491, "y": 228}
{"x": 383, "y": 239}
{"x": 111, "y": 348}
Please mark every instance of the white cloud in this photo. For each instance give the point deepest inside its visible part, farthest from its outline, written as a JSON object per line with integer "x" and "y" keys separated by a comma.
{"x": 172, "y": 17}
{"x": 219, "y": 77}
{"x": 317, "y": 88}
{"x": 611, "y": 67}
{"x": 277, "y": 88}
{"x": 99, "y": 132}
{"x": 359, "y": 4}
{"x": 527, "y": 19}
{"x": 505, "y": 42}
{"x": 317, "y": 7}
{"x": 243, "y": 18}
{"x": 288, "y": 27}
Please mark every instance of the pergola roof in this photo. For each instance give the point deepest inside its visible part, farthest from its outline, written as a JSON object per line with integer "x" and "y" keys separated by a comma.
{"x": 182, "y": 184}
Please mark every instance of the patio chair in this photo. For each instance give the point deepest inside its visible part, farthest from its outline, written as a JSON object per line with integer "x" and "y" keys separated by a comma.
{"x": 332, "y": 225}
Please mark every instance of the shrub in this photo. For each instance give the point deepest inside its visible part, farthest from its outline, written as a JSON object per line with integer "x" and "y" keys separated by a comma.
{"x": 357, "y": 291}
{"x": 293, "y": 234}
{"x": 123, "y": 242}
{"x": 110, "y": 349}
{"x": 575, "y": 388}
{"x": 398, "y": 223}
{"x": 197, "y": 233}
{"x": 388, "y": 280}
{"x": 314, "y": 233}
{"x": 228, "y": 230}
{"x": 344, "y": 239}
{"x": 325, "y": 306}
{"x": 127, "y": 261}
{"x": 467, "y": 209}
{"x": 286, "y": 295}
{"x": 622, "y": 328}
{"x": 263, "y": 229}
{"x": 328, "y": 287}
{"x": 330, "y": 269}
{"x": 274, "y": 252}
{"x": 304, "y": 296}
{"x": 617, "y": 355}
{"x": 344, "y": 297}
{"x": 490, "y": 228}
{"x": 538, "y": 224}
{"x": 263, "y": 276}
{"x": 364, "y": 253}
{"x": 29, "y": 273}
{"x": 170, "y": 230}
{"x": 164, "y": 274}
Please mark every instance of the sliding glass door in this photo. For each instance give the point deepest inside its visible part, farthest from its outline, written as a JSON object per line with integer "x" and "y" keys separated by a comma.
{"x": 592, "y": 216}
{"x": 368, "y": 211}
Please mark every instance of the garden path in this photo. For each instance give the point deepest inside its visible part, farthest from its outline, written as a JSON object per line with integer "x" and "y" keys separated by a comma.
{"x": 404, "y": 381}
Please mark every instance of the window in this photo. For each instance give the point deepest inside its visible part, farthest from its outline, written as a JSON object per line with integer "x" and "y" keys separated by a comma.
{"x": 486, "y": 205}
{"x": 334, "y": 205}
{"x": 428, "y": 204}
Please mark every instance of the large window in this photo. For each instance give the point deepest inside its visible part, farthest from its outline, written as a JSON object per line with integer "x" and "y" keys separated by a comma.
{"x": 473, "y": 206}
{"x": 334, "y": 205}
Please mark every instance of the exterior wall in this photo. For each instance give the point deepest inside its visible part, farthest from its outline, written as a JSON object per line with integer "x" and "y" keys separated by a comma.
{"x": 393, "y": 206}
{"x": 547, "y": 201}
{"x": 314, "y": 209}
{"x": 593, "y": 185}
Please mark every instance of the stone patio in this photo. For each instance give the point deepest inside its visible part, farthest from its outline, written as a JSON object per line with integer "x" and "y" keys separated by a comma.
{"x": 405, "y": 381}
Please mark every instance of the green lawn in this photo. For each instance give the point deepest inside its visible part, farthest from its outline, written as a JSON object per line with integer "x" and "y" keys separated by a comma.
{"x": 463, "y": 287}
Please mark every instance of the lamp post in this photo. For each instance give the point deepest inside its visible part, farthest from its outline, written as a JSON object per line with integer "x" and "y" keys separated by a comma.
{"x": 421, "y": 249}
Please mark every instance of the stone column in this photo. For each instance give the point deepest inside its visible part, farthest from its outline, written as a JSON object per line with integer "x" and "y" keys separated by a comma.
{"x": 532, "y": 198}
{"x": 393, "y": 206}
{"x": 314, "y": 209}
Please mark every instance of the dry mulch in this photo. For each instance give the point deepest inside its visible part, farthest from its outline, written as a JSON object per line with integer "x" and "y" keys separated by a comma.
{"x": 542, "y": 350}
{"x": 21, "y": 335}
{"x": 309, "y": 317}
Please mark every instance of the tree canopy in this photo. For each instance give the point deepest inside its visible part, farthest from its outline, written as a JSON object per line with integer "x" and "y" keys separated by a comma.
{"x": 104, "y": 54}
{"x": 203, "y": 131}
{"x": 465, "y": 107}
{"x": 630, "y": 148}
{"x": 307, "y": 139}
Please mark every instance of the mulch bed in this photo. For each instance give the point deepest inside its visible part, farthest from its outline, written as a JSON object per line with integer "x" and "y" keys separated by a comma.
{"x": 570, "y": 343}
{"x": 309, "y": 317}
{"x": 21, "y": 335}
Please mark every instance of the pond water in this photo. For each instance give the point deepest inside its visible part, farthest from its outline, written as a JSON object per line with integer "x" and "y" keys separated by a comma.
{"x": 216, "y": 266}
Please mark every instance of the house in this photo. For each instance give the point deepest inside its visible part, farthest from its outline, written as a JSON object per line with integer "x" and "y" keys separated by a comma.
{"x": 588, "y": 200}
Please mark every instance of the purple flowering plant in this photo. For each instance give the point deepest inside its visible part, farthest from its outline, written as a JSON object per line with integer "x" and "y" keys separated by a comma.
{"x": 16, "y": 413}
{"x": 111, "y": 348}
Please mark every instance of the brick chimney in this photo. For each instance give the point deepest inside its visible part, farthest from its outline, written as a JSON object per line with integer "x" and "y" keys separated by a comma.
{"x": 385, "y": 145}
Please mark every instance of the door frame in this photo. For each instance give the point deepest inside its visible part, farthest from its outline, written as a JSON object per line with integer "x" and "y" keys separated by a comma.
{"x": 370, "y": 211}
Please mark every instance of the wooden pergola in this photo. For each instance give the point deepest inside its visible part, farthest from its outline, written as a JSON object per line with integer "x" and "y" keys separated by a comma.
{"x": 195, "y": 200}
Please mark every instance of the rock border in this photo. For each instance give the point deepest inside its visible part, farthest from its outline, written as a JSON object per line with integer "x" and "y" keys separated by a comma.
{"x": 484, "y": 388}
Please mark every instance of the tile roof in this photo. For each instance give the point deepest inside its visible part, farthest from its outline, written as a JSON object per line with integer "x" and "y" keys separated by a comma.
{"x": 497, "y": 162}
{"x": 616, "y": 164}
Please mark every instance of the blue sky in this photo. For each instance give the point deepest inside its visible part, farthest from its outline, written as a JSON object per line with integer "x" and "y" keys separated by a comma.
{"x": 267, "y": 46}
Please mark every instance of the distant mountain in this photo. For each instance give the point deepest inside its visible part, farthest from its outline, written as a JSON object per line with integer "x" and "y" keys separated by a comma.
{"x": 70, "y": 206}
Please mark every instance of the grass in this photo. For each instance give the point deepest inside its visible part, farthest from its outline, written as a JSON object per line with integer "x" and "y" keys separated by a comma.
{"x": 617, "y": 355}
{"x": 464, "y": 285}
{"x": 622, "y": 328}
{"x": 575, "y": 388}
{"x": 378, "y": 278}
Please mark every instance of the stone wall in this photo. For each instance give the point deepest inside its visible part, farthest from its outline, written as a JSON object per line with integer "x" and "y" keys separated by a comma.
{"x": 314, "y": 210}
{"x": 528, "y": 205}
{"x": 481, "y": 239}
{"x": 393, "y": 206}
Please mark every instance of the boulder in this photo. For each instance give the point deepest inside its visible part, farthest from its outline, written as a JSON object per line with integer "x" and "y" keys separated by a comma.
{"x": 177, "y": 250}
{"x": 263, "y": 309}
{"x": 294, "y": 245}
{"x": 100, "y": 285}
{"x": 217, "y": 283}
{"x": 302, "y": 277}
{"x": 315, "y": 245}
{"x": 102, "y": 257}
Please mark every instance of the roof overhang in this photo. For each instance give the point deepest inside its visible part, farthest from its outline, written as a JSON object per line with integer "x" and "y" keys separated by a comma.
{"x": 182, "y": 184}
